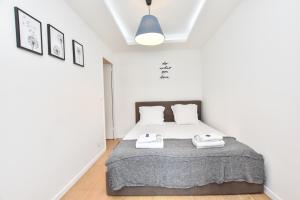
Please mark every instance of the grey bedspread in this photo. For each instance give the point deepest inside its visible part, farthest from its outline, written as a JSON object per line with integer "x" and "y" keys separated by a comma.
{"x": 180, "y": 165}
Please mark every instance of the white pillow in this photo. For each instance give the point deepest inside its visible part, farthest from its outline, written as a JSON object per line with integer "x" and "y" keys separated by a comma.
{"x": 185, "y": 114}
{"x": 151, "y": 115}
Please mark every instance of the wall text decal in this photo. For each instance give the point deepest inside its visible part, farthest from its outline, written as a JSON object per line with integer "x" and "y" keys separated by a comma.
{"x": 165, "y": 68}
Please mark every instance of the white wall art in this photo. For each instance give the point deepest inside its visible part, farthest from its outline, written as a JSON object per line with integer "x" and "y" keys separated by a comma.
{"x": 28, "y": 32}
{"x": 78, "y": 54}
{"x": 56, "y": 42}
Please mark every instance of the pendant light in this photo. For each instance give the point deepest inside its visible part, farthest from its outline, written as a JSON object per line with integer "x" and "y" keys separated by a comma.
{"x": 149, "y": 32}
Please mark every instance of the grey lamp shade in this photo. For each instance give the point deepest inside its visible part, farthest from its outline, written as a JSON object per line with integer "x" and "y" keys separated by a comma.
{"x": 149, "y": 31}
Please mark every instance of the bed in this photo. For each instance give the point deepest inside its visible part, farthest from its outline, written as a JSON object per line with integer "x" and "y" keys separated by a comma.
{"x": 174, "y": 170}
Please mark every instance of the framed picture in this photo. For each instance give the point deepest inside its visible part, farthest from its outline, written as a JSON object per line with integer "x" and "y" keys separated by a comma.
{"x": 78, "y": 55}
{"x": 28, "y": 32}
{"x": 56, "y": 42}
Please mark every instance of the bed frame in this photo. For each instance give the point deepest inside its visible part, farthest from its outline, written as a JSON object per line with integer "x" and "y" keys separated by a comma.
{"x": 229, "y": 188}
{"x": 168, "y": 113}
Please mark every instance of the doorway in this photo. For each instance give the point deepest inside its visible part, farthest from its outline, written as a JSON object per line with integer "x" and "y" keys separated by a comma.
{"x": 108, "y": 98}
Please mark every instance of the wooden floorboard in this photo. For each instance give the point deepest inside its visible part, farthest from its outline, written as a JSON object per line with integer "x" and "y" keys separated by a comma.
{"x": 92, "y": 186}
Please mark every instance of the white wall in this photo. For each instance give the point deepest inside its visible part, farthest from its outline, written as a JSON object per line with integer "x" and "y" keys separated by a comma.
{"x": 137, "y": 79}
{"x": 51, "y": 111}
{"x": 251, "y": 81}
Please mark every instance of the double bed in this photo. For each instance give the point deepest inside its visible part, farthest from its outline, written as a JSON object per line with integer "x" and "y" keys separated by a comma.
{"x": 180, "y": 168}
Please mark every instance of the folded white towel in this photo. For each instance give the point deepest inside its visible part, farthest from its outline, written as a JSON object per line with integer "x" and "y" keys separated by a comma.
{"x": 214, "y": 144}
{"x": 147, "y": 137}
{"x": 157, "y": 144}
{"x": 207, "y": 144}
{"x": 210, "y": 137}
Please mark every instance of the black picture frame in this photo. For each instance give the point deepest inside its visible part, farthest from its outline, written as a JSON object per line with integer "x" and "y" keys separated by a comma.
{"x": 31, "y": 38}
{"x": 78, "y": 53}
{"x": 56, "y": 47}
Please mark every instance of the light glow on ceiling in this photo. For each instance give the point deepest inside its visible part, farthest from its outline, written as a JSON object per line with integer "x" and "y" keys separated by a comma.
{"x": 177, "y": 37}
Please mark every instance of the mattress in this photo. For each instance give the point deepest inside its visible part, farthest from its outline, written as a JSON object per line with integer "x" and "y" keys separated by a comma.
{"x": 180, "y": 164}
{"x": 171, "y": 130}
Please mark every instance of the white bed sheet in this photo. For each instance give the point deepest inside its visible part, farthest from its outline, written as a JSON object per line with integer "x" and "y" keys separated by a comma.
{"x": 171, "y": 130}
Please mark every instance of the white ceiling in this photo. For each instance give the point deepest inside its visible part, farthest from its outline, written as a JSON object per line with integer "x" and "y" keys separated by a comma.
{"x": 176, "y": 28}
{"x": 186, "y": 23}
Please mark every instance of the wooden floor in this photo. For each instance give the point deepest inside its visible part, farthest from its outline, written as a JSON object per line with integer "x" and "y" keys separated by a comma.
{"x": 92, "y": 186}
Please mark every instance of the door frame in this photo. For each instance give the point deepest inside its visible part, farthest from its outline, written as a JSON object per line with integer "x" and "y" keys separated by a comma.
{"x": 106, "y": 61}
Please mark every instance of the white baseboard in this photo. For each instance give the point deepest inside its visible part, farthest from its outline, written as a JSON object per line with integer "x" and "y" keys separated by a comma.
{"x": 78, "y": 176}
{"x": 271, "y": 194}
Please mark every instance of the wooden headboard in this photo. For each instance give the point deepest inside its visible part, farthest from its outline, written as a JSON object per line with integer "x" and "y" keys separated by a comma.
{"x": 169, "y": 117}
